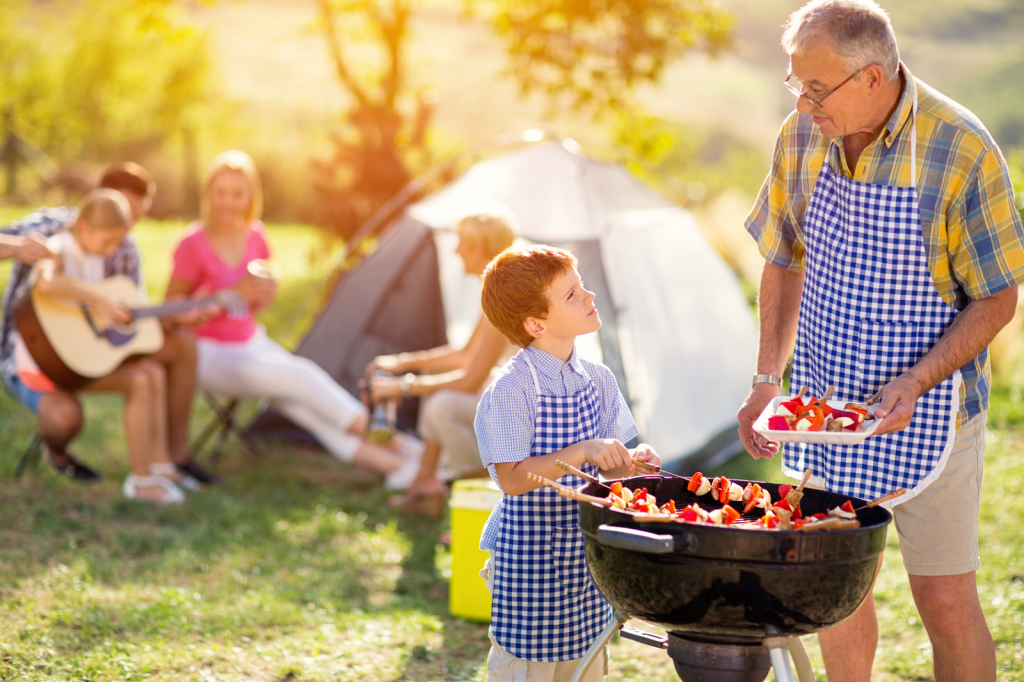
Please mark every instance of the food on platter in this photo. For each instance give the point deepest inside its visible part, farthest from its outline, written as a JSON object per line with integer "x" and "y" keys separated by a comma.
{"x": 814, "y": 414}
{"x": 816, "y": 420}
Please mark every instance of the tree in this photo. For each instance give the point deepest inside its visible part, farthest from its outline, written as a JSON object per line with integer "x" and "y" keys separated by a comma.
{"x": 594, "y": 52}
{"x": 383, "y": 139}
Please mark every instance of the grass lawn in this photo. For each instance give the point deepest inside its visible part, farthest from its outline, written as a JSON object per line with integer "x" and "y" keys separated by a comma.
{"x": 295, "y": 569}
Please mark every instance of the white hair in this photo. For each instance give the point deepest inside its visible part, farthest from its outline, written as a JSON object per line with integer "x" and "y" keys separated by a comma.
{"x": 858, "y": 30}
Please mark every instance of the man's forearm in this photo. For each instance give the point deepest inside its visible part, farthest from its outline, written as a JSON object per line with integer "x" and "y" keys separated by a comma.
{"x": 971, "y": 331}
{"x": 10, "y": 245}
{"x": 778, "y": 304}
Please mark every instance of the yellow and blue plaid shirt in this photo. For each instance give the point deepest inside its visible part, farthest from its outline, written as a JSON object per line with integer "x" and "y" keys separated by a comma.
{"x": 971, "y": 227}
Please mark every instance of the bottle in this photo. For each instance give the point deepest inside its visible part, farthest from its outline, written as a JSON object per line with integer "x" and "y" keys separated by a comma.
{"x": 383, "y": 416}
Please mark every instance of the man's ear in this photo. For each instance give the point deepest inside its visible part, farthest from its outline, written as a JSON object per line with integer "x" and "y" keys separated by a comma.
{"x": 535, "y": 327}
{"x": 875, "y": 76}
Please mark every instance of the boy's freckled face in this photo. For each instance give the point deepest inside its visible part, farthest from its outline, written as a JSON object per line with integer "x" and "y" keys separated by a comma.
{"x": 571, "y": 309}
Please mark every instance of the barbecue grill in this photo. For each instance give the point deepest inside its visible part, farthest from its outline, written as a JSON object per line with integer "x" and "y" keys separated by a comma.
{"x": 731, "y": 599}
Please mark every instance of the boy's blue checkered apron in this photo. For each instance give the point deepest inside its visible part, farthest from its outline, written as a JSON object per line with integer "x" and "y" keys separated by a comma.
{"x": 869, "y": 312}
{"x": 545, "y": 606}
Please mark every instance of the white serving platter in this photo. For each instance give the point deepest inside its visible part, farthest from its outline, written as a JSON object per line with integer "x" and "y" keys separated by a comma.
{"x": 863, "y": 431}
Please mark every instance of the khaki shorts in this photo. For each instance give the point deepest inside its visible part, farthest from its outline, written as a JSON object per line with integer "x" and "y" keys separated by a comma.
{"x": 938, "y": 529}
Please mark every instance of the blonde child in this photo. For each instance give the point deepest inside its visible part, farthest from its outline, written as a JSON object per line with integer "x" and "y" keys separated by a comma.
{"x": 547, "y": 405}
{"x": 102, "y": 223}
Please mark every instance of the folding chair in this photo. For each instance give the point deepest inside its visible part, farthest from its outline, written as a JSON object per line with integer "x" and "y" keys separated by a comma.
{"x": 223, "y": 424}
{"x": 31, "y": 456}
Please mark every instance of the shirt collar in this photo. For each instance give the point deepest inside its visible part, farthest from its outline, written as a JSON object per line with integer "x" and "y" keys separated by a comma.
{"x": 549, "y": 365}
{"x": 904, "y": 110}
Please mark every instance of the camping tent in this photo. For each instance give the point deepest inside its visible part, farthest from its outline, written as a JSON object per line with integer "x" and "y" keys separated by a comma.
{"x": 678, "y": 332}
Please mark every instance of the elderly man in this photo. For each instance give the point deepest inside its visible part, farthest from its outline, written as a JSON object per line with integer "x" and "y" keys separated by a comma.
{"x": 893, "y": 253}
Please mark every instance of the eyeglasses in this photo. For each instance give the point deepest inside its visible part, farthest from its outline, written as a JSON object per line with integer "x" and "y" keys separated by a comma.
{"x": 797, "y": 88}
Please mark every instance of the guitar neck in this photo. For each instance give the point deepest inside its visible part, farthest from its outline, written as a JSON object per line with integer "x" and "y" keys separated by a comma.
{"x": 172, "y": 308}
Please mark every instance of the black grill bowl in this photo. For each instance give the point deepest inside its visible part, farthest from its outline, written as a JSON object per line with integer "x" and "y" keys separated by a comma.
{"x": 728, "y": 584}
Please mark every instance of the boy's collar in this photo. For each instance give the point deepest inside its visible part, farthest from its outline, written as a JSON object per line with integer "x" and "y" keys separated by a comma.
{"x": 552, "y": 365}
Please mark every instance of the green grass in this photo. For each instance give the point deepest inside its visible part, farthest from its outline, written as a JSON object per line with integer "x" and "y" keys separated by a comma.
{"x": 295, "y": 569}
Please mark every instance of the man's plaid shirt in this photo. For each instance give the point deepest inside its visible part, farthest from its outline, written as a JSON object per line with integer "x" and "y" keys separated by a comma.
{"x": 971, "y": 227}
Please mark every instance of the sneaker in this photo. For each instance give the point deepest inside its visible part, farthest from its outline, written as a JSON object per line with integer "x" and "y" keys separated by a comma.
{"x": 192, "y": 468}
{"x": 71, "y": 467}
{"x": 402, "y": 477}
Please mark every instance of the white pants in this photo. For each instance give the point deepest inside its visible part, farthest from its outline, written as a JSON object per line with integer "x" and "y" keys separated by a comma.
{"x": 295, "y": 386}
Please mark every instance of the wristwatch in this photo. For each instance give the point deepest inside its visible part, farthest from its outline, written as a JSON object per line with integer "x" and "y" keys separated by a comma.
{"x": 766, "y": 379}
{"x": 407, "y": 383}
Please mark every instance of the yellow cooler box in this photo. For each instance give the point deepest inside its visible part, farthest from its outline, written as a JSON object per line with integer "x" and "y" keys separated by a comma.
{"x": 471, "y": 503}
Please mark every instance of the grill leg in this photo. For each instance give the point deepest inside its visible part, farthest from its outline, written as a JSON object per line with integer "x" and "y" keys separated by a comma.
{"x": 779, "y": 647}
{"x": 618, "y": 618}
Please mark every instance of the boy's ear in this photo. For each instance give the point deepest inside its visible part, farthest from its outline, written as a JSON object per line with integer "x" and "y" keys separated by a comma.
{"x": 535, "y": 327}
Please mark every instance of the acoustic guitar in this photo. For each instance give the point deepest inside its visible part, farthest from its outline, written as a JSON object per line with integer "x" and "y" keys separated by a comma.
{"x": 72, "y": 347}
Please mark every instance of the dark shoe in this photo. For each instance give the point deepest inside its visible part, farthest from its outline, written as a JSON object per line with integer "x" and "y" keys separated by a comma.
{"x": 193, "y": 469}
{"x": 71, "y": 467}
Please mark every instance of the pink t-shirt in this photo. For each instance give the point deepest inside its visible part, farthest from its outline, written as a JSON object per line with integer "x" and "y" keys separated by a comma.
{"x": 197, "y": 262}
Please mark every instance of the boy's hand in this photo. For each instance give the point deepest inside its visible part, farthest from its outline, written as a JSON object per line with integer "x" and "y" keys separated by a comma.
{"x": 645, "y": 453}
{"x": 607, "y": 453}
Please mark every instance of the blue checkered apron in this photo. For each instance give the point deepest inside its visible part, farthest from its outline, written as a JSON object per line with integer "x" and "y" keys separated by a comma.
{"x": 869, "y": 312}
{"x": 544, "y": 605}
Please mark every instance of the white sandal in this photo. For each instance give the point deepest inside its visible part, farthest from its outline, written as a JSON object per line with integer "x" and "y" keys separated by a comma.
{"x": 168, "y": 470}
{"x": 132, "y": 483}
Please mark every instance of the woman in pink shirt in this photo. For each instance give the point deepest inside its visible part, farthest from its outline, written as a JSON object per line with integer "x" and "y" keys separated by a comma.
{"x": 235, "y": 355}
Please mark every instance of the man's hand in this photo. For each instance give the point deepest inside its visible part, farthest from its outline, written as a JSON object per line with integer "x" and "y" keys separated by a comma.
{"x": 759, "y": 397}
{"x": 645, "y": 453}
{"x": 197, "y": 317}
{"x": 607, "y": 453}
{"x": 33, "y": 250}
{"x": 896, "y": 404}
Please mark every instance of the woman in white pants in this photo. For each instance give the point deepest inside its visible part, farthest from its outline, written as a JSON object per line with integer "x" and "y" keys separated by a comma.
{"x": 236, "y": 357}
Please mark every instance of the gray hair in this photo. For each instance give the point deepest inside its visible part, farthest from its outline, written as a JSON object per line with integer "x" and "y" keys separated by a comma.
{"x": 859, "y": 30}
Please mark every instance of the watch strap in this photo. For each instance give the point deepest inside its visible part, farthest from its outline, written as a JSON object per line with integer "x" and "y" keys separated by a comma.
{"x": 766, "y": 379}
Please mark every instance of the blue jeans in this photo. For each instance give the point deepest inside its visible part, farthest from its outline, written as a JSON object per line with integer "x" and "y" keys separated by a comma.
{"x": 29, "y": 397}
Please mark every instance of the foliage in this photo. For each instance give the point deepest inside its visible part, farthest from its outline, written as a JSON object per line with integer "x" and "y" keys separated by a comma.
{"x": 593, "y": 52}
{"x": 383, "y": 139}
{"x": 106, "y": 79}
{"x": 691, "y": 163}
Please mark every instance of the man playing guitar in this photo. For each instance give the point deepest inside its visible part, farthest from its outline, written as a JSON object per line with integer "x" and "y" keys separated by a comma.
{"x": 59, "y": 411}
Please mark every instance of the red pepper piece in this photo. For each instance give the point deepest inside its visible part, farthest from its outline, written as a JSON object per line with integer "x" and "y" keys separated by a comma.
{"x": 797, "y": 513}
{"x": 729, "y": 514}
{"x": 669, "y": 506}
{"x": 770, "y": 521}
{"x": 819, "y": 516}
{"x": 688, "y": 515}
{"x": 695, "y": 482}
{"x": 617, "y": 488}
{"x": 755, "y": 495}
{"x": 799, "y": 523}
{"x": 784, "y": 490}
{"x": 723, "y": 489}
{"x": 847, "y": 507}
{"x": 778, "y": 423}
{"x": 782, "y": 504}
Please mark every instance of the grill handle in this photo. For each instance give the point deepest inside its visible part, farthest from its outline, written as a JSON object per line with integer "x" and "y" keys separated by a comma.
{"x": 635, "y": 540}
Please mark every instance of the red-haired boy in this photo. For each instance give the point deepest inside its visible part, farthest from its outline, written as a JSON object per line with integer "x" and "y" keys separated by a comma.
{"x": 547, "y": 405}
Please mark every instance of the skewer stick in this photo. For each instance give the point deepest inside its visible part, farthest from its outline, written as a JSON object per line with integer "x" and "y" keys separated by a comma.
{"x": 875, "y": 397}
{"x": 802, "y": 393}
{"x": 884, "y": 498}
{"x": 571, "y": 493}
{"x": 807, "y": 477}
{"x": 828, "y": 394}
{"x": 575, "y": 472}
{"x": 797, "y": 494}
{"x": 831, "y": 524}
